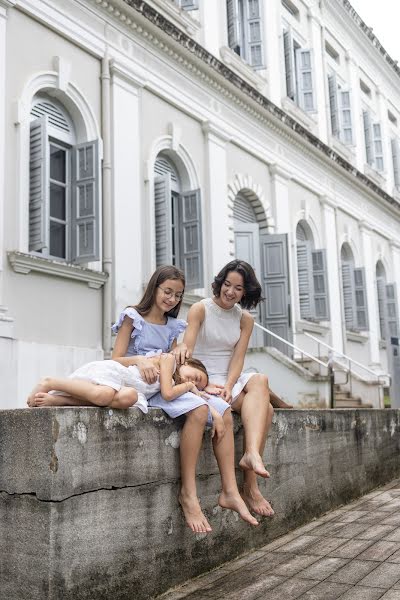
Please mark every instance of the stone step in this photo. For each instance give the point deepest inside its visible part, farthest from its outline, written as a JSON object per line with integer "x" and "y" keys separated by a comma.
{"x": 351, "y": 403}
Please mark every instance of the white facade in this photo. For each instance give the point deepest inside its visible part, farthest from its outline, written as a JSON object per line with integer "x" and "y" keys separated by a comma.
{"x": 135, "y": 133}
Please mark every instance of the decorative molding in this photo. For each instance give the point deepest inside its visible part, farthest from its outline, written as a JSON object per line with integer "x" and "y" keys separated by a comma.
{"x": 312, "y": 327}
{"x": 6, "y": 324}
{"x": 212, "y": 130}
{"x": 365, "y": 227}
{"x": 277, "y": 171}
{"x": 7, "y": 3}
{"x": 25, "y": 263}
{"x": 327, "y": 202}
{"x": 63, "y": 69}
{"x": 360, "y": 338}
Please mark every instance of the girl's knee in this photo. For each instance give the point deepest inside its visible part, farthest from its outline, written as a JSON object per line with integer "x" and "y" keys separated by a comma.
{"x": 227, "y": 416}
{"x": 103, "y": 396}
{"x": 199, "y": 414}
{"x": 260, "y": 380}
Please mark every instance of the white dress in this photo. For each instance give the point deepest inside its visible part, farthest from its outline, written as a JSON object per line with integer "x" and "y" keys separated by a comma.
{"x": 114, "y": 375}
{"x": 216, "y": 341}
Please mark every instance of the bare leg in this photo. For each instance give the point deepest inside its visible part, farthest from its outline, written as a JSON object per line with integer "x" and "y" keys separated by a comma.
{"x": 278, "y": 402}
{"x": 124, "y": 398}
{"x": 44, "y": 399}
{"x": 191, "y": 440}
{"x": 256, "y": 413}
{"x": 225, "y": 455}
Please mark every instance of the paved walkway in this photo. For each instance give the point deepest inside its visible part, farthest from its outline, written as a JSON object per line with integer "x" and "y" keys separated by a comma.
{"x": 352, "y": 553}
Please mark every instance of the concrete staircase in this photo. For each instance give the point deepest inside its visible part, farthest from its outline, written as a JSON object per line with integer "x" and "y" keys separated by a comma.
{"x": 344, "y": 399}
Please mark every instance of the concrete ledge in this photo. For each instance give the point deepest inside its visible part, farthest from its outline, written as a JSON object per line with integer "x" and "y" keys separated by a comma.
{"x": 88, "y": 497}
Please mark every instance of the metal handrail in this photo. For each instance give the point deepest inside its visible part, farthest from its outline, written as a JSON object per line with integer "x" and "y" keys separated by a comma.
{"x": 351, "y": 360}
{"x": 303, "y": 352}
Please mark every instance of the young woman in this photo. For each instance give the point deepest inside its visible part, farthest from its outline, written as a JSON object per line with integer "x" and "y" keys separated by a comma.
{"x": 218, "y": 334}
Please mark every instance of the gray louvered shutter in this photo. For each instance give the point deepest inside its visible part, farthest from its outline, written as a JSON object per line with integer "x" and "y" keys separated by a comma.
{"x": 368, "y": 138}
{"x": 85, "y": 205}
{"x": 348, "y": 294}
{"x": 305, "y": 91}
{"x": 396, "y": 161}
{"x": 378, "y": 146}
{"x": 191, "y": 239}
{"x": 38, "y": 185}
{"x": 361, "y": 308}
{"x": 254, "y": 50}
{"x": 392, "y": 311}
{"x": 304, "y": 274}
{"x": 333, "y": 105}
{"x": 189, "y": 4}
{"x": 381, "y": 292}
{"x": 276, "y": 289}
{"x": 289, "y": 64}
{"x": 345, "y": 117}
{"x": 163, "y": 219}
{"x": 232, "y": 10}
{"x": 320, "y": 281}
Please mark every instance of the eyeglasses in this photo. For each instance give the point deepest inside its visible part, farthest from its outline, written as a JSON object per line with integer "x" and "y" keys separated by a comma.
{"x": 170, "y": 294}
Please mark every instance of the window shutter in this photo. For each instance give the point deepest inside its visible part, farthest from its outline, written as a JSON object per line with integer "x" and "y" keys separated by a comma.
{"x": 163, "y": 219}
{"x": 392, "y": 311}
{"x": 304, "y": 272}
{"x": 189, "y": 4}
{"x": 232, "y": 9}
{"x": 85, "y": 209}
{"x": 368, "y": 138}
{"x": 320, "y": 281}
{"x": 361, "y": 308}
{"x": 191, "y": 242}
{"x": 348, "y": 294}
{"x": 254, "y": 53}
{"x": 396, "y": 161}
{"x": 38, "y": 185}
{"x": 305, "y": 79}
{"x": 378, "y": 146}
{"x": 380, "y": 288}
{"x": 333, "y": 105}
{"x": 346, "y": 123}
{"x": 289, "y": 64}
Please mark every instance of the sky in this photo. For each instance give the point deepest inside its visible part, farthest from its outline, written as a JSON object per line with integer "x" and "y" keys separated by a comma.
{"x": 384, "y": 18}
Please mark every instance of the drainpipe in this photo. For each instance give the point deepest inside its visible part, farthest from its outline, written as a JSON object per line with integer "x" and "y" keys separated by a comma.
{"x": 107, "y": 200}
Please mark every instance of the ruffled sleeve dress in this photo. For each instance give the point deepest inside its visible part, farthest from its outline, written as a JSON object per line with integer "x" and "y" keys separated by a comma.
{"x": 148, "y": 338}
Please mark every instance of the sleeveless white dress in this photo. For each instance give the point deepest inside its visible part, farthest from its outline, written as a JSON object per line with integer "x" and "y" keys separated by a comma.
{"x": 216, "y": 341}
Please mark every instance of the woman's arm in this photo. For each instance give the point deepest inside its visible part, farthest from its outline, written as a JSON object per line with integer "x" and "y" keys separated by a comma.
{"x": 237, "y": 359}
{"x": 195, "y": 318}
{"x": 146, "y": 366}
{"x": 169, "y": 391}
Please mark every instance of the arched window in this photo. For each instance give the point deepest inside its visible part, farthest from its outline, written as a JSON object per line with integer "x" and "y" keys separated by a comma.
{"x": 64, "y": 186}
{"x": 312, "y": 277}
{"x": 387, "y": 304}
{"x": 177, "y": 222}
{"x": 354, "y": 292}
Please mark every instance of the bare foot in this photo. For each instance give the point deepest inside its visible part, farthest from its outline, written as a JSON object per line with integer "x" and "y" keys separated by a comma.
{"x": 278, "y": 402}
{"x": 235, "y": 502}
{"x": 194, "y": 515}
{"x": 253, "y": 462}
{"x": 44, "y": 399}
{"x": 256, "y": 502}
{"x": 42, "y": 386}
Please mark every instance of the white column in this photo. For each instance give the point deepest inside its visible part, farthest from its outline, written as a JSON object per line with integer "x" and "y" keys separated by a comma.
{"x": 356, "y": 114}
{"x": 280, "y": 198}
{"x": 318, "y": 51}
{"x": 132, "y": 239}
{"x": 395, "y": 253}
{"x": 333, "y": 266}
{"x": 217, "y": 232}
{"x": 387, "y": 148}
{"x": 370, "y": 284}
{"x": 213, "y": 32}
{"x": 273, "y": 34}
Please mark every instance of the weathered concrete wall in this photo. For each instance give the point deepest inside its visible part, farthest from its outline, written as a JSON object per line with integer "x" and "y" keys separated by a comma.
{"x": 88, "y": 500}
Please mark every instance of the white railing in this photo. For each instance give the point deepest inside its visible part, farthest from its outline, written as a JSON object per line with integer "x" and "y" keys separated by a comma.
{"x": 296, "y": 348}
{"x": 381, "y": 380}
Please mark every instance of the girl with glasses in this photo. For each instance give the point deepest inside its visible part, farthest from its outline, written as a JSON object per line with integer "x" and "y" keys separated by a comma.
{"x": 152, "y": 325}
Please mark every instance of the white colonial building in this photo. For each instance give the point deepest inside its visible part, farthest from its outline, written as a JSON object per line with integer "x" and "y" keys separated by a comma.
{"x": 135, "y": 133}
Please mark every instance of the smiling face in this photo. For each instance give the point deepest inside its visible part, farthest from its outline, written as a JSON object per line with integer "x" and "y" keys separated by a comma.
{"x": 232, "y": 290}
{"x": 187, "y": 373}
{"x": 168, "y": 295}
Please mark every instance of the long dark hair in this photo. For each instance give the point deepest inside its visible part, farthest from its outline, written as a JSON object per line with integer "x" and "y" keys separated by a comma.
{"x": 190, "y": 362}
{"x": 252, "y": 287}
{"x": 159, "y": 276}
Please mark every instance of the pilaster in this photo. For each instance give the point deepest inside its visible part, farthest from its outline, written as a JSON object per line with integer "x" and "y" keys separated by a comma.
{"x": 370, "y": 284}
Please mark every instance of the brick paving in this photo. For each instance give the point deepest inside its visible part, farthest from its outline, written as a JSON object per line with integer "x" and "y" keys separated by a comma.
{"x": 352, "y": 553}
